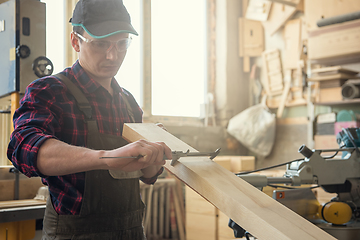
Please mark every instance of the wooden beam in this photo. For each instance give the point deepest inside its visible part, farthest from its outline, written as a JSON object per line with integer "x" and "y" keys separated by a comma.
{"x": 250, "y": 208}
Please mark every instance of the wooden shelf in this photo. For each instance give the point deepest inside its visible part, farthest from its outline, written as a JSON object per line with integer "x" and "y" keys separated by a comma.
{"x": 344, "y": 102}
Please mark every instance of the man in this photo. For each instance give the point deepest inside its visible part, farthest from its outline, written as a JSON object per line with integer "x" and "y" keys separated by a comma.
{"x": 69, "y": 124}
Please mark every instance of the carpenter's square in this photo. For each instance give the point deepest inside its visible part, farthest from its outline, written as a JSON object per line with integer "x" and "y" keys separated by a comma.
{"x": 179, "y": 154}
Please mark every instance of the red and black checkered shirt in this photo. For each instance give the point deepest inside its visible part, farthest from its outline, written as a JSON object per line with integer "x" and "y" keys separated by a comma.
{"x": 45, "y": 109}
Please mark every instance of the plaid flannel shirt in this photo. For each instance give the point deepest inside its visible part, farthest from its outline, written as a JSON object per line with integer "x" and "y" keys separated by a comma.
{"x": 45, "y": 109}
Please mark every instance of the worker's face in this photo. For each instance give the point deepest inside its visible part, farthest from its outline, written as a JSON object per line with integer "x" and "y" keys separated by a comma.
{"x": 99, "y": 64}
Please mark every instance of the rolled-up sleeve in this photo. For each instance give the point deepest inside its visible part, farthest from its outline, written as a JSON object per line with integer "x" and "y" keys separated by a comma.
{"x": 36, "y": 120}
{"x": 153, "y": 179}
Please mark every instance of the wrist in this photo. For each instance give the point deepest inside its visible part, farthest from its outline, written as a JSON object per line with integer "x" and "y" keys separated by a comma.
{"x": 151, "y": 171}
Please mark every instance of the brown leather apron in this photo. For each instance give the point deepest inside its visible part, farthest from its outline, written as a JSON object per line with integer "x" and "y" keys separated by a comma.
{"x": 111, "y": 208}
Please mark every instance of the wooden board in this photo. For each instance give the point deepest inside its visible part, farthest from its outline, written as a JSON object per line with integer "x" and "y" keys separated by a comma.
{"x": 256, "y": 212}
{"x": 333, "y": 70}
{"x": 258, "y": 10}
{"x": 278, "y": 16}
{"x": 293, "y": 3}
{"x": 292, "y": 39}
{"x": 251, "y": 38}
{"x": 336, "y": 76}
{"x": 21, "y": 203}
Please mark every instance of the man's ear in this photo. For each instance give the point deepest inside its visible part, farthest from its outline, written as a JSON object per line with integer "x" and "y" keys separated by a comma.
{"x": 75, "y": 42}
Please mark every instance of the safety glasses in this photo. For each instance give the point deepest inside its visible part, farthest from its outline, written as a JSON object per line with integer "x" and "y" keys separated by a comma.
{"x": 105, "y": 46}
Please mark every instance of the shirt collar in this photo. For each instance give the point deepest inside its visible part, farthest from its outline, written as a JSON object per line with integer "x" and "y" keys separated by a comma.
{"x": 88, "y": 84}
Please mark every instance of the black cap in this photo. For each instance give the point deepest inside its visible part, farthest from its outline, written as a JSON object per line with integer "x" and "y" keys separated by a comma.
{"x": 102, "y": 18}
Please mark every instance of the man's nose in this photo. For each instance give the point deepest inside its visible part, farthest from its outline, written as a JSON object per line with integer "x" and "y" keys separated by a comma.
{"x": 112, "y": 53}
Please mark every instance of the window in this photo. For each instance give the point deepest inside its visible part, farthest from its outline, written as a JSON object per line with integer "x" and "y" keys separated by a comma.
{"x": 178, "y": 30}
{"x": 178, "y": 50}
{"x": 129, "y": 75}
{"x": 55, "y": 30}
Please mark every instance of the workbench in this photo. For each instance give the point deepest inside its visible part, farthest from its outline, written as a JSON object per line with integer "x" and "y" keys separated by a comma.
{"x": 21, "y": 210}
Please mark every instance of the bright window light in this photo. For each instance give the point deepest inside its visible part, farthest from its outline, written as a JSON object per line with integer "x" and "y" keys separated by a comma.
{"x": 129, "y": 75}
{"x": 55, "y": 46}
{"x": 178, "y": 30}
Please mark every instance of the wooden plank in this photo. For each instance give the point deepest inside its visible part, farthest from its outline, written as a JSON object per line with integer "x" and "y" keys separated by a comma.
{"x": 167, "y": 213}
{"x": 293, "y": 3}
{"x": 21, "y": 203}
{"x": 258, "y": 10}
{"x": 292, "y": 39}
{"x": 154, "y": 215}
{"x": 251, "y": 38}
{"x": 331, "y": 77}
{"x": 259, "y": 214}
{"x": 179, "y": 215}
{"x": 161, "y": 210}
{"x": 333, "y": 69}
{"x": 148, "y": 209}
{"x": 279, "y": 14}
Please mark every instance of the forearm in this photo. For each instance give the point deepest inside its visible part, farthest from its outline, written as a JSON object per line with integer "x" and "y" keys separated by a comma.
{"x": 56, "y": 158}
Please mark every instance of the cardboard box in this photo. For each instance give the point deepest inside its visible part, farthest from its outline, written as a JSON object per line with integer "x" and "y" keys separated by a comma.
{"x": 330, "y": 95}
{"x": 236, "y": 164}
{"x": 335, "y": 41}
{"x": 200, "y": 226}
{"x": 325, "y": 142}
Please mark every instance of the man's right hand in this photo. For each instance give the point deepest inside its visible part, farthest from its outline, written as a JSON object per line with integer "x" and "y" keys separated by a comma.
{"x": 149, "y": 153}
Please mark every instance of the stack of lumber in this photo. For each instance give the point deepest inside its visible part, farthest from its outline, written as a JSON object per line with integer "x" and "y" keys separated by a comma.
{"x": 330, "y": 81}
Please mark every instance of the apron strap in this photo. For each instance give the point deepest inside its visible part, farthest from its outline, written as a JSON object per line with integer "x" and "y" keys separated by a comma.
{"x": 82, "y": 101}
{"x": 129, "y": 108}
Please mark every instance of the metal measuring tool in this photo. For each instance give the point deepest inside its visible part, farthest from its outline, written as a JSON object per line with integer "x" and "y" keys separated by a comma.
{"x": 179, "y": 154}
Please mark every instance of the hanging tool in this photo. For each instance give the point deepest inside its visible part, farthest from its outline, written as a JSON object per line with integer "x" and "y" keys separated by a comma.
{"x": 179, "y": 154}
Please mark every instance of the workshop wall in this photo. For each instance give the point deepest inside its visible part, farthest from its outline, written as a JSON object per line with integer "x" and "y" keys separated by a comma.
{"x": 293, "y": 127}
